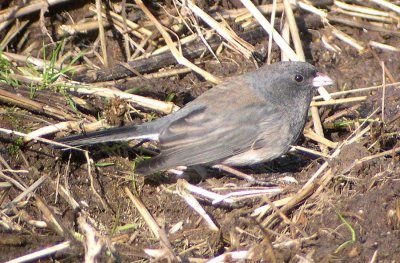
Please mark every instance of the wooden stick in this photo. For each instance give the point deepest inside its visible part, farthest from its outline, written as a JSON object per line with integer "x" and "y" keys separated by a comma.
{"x": 387, "y": 4}
{"x": 178, "y": 56}
{"x": 371, "y": 157}
{"x": 362, "y": 9}
{"x": 244, "y": 47}
{"x": 365, "y": 16}
{"x": 383, "y": 91}
{"x": 25, "y": 103}
{"x": 79, "y": 28}
{"x": 318, "y": 127}
{"x": 269, "y": 55}
{"x": 294, "y": 30}
{"x": 134, "y": 28}
{"x": 285, "y": 31}
{"x": 102, "y": 34}
{"x": 338, "y": 101}
{"x": 242, "y": 14}
{"x": 268, "y": 28}
{"x": 20, "y": 134}
{"x": 148, "y": 218}
{"x": 383, "y": 46}
{"x": 160, "y": 106}
{"x": 348, "y": 39}
{"x": 345, "y": 92}
{"x": 313, "y": 152}
{"x": 310, "y": 134}
{"x": 17, "y": 11}
{"x": 192, "y": 202}
{"x": 12, "y": 32}
{"x": 41, "y": 253}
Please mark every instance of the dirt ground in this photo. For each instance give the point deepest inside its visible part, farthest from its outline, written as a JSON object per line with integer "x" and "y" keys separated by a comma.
{"x": 354, "y": 217}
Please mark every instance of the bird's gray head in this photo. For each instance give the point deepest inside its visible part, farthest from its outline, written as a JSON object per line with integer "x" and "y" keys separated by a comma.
{"x": 285, "y": 81}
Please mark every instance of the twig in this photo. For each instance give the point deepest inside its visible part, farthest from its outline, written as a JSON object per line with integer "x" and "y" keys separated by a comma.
{"x": 318, "y": 126}
{"x": 204, "y": 193}
{"x": 178, "y": 55}
{"x": 387, "y": 71}
{"x": 245, "y": 48}
{"x": 11, "y": 132}
{"x": 383, "y": 90}
{"x": 102, "y": 34}
{"x": 388, "y": 5}
{"x": 325, "y": 17}
{"x": 269, "y": 55}
{"x": 341, "y": 113}
{"x": 17, "y": 11}
{"x": 262, "y": 210}
{"x": 160, "y": 106}
{"x": 383, "y": 46}
{"x": 155, "y": 229}
{"x": 26, "y": 192}
{"x": 308, "y": 133}
{"x": 25, "y": 103}
{"x": 374, "y": 258}
{"x": 91, "y": 180}
{"x": 93, "y": 244}
{"x": 235, "y": 172}
{"x": 39, "y": 63}
{"x": 235, "y": 256}
{"x": 74, "y": 86}
{"x": 246, "y": 194}
{"x": 345, "y": 92}
{"x": 351, "y": 139}
{"x": 348, "y": 39}
{"x": 364, "y": 16}
{"x": 12, "y": 32}
{"x": 371, "y": 157}
{"x": 134, "y": 28}
{"x": 156, "y": 62}
{"x": 242, "y": 14}
{"x": 285, "y": 31}
{"x": 313, "y": 9}
{"x": 53, "y": 221}
{"x": 192, "y": 202}
{"x": 20, "y": 186}
{"x": 294, "y": 30}
{"x": 148, "y": 218}
{"x": 338, "y": 101}
{"x": 84, "y": 27}
{"x": 62, "y": 126}
{"x": 267, "y": 27}
{"x": 362, "y": 9}
{"x": 362, "y": 25}
{"x": 125, "y": 28}
{"x": 310, "y": 151}
{"x": 39, "y": 254}
{"x": 285, "y": 219}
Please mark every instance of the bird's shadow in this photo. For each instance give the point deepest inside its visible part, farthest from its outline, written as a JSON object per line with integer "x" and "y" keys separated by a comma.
{"x": 287, "y": 165}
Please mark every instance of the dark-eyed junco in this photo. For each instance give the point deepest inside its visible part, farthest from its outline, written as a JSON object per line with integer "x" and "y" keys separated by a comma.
{"x": 248, "y": 119}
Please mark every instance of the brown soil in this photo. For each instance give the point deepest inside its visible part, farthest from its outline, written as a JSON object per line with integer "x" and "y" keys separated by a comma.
{"x": 364, "y": 198}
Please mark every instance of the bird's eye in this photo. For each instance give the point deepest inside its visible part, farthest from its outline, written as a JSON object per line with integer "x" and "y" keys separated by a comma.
{"x": 298, "y": 78}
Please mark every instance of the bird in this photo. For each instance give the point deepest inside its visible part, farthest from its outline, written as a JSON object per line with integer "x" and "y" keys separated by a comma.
{"x": 247, "y": 119}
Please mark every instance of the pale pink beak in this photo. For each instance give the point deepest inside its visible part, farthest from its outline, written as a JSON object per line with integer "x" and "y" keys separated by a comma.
{"x": 322, "y": 80}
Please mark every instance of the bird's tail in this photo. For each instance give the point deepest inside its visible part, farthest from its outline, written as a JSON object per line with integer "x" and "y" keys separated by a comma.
{"x": 145, "y": 131}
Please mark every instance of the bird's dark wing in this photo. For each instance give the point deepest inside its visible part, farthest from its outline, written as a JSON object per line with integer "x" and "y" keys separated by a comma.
{"x": 202, "y": 138}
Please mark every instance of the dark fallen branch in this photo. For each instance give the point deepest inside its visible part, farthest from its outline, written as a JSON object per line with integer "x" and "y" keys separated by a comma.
{"x": 21, "y": 99}
{"x": 190, "y": 51}
{"x": 362, "y": 25}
